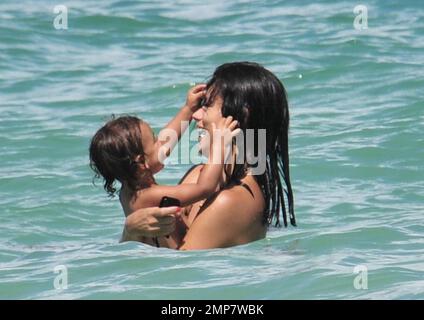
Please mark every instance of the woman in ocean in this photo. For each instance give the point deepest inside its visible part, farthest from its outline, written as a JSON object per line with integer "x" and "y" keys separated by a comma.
{"x": 248, "y": 201}
{"x": 126, "y": 150}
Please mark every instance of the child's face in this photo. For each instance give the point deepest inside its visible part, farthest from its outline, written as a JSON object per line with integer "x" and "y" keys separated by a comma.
{"x": 149, "y": 146}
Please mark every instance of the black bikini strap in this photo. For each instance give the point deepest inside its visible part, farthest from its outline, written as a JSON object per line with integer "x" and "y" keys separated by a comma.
{"x": 247, "y": 188}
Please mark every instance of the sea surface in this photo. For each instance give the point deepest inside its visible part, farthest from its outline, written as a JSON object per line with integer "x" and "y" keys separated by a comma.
{"x": 356, "y": 146}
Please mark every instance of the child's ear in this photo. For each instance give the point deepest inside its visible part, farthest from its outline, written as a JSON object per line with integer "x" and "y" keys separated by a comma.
{"x": 140, "y": 161}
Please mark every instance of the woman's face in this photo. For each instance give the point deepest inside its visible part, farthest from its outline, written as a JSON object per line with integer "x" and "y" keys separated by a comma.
{"x": 209, "y": 113}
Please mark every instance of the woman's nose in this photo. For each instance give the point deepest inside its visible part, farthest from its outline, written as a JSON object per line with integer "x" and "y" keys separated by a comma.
{"x": 198, "y": 115}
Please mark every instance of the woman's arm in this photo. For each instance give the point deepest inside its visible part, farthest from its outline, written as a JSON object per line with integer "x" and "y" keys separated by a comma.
{"x": 150, "y": 222}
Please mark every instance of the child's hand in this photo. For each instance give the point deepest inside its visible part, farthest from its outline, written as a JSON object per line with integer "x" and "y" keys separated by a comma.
{"x": 226, "y": 129}
{"x": 194, "y": 97}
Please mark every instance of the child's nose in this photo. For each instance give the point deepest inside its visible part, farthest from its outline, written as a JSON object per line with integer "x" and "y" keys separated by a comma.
{"x": 198, "y": 115}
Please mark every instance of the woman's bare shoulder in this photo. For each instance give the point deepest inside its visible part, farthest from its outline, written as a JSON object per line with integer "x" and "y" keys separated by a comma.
{"x": 245, "y": 199}
{"x": 234, "y": 217}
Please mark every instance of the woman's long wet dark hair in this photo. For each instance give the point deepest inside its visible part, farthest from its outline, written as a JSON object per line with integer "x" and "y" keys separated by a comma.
{"x": 113, "y": 153}
{"x": 257, "y": 99}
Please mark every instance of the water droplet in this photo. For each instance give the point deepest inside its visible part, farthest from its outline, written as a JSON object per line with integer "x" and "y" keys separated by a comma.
{"x": 192, "y": 84}
{"x": 300, "y": 76}
{"x": 174, "y": 86}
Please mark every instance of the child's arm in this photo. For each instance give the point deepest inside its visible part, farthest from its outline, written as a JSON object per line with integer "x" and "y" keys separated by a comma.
{"x": 208, "y": 179}
{"x": 170, "y": 135}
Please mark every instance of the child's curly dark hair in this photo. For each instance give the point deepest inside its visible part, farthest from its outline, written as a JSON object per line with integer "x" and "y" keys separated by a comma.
{"x": 114, "y": 150}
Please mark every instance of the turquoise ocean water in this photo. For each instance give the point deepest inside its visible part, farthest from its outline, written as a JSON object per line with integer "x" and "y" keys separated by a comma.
{"x": 357, "y": 141}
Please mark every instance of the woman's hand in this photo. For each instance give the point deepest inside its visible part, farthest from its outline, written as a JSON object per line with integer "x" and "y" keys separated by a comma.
{"x": 194, "y": 97}
{"x": 150, "y": 222}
